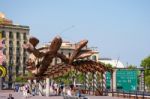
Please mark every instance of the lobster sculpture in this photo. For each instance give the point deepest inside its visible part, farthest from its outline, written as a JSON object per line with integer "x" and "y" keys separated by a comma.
{"x": 40, "y": 59}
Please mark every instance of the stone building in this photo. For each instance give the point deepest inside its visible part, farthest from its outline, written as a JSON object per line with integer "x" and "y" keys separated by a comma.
{"x": 13, "y": 37}
{"x": 67, "y": 49}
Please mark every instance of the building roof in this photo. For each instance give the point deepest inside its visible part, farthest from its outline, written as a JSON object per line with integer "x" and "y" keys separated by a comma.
{"x": 4, "y": 20}
{"x": 7, "y": 23}
{"x": 114, "y": 63}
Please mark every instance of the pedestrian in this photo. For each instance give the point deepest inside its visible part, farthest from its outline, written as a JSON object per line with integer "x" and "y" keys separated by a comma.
{"x": 33, "y": 89}
{"x": 24, "y": 90}
{"x": 61, "y": 87}
{"x": 10, "y": 96}
{"x": 69, "y": 92}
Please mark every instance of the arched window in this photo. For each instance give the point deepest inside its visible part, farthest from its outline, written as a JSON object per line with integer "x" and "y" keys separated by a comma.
{"x": 94, "y": 57}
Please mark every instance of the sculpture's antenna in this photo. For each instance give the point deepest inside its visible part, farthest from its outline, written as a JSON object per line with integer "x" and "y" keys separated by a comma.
{"x": 66, "y": 29}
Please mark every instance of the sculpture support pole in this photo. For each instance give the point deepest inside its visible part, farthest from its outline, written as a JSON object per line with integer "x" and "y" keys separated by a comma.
{"x": 47, "y": 87}
{"x": 29, "y": 83}
{"x": 40, "y": 89}
{"x": 104, "y": 82}
{"x": 87, "y": 81}
{"x": 95, "y": 82}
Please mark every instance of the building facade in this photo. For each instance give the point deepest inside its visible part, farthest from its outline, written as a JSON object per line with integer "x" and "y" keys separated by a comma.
{"x": 13, "y": 36}
{"x": 67, "y": 49}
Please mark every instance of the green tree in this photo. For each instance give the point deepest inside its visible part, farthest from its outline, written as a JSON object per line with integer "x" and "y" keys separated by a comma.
{"x": 131, "y": 67}
{"x": 145, "y": 63}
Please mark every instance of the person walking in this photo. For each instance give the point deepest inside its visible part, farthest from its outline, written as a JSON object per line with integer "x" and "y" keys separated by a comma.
{"x": 10, "y": 96}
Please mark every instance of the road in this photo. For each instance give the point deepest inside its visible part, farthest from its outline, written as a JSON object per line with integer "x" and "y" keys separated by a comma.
{"x": 18, "y": 95}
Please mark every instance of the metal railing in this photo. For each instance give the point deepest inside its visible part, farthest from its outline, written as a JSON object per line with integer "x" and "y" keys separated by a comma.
{"x": 128, "y": 94}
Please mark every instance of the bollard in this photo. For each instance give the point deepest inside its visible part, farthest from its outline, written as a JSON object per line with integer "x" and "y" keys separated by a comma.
{"x": 129, "y": 94}
{"x": 136, "y": 95}
{"x": 143, "y": 95}
{"x": 123, "y": 95}
{"x": 117, "y": 93}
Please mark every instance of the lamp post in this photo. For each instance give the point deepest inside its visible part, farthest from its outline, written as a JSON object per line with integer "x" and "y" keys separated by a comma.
{"x": 142, "y": 79}
{"x": 145, "y": 69}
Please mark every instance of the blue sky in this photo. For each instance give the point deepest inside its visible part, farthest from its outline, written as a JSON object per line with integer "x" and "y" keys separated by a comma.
{"x": 119, "y": 28}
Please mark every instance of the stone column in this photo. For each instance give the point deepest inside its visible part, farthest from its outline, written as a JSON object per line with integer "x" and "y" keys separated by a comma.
{"x": 114, "y": 79}
{"x": 47, "y": 87}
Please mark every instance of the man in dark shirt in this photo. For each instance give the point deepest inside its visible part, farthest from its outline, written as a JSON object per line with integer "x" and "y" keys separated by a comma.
{"x": 10, "y": 96}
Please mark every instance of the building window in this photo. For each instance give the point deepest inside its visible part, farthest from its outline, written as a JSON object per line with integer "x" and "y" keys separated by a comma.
{"x": 18, "y": 36}
{"x": 17, "y": 70}
{"x": 69, "y": 54}
{"x": 24, "y": 52}
{"x": 3, "y": 34}
{"x": 24, "y": 36}
{"x": 18, "y": 43}
{"x": 18, "y": 51}
{"x": 94, "y": 57}
{"x": 10, "y": 51}
{"x": 4, "y": 51}
{"x": 11, "y": 60}
{"x": 10, "y": 35}
{"x": 24, "y": 60}
{"x": 11, "y": 43}
{"x": 10, "y": 68}
{"x": 18, "y": 60}
{"x": 24, "y": 42}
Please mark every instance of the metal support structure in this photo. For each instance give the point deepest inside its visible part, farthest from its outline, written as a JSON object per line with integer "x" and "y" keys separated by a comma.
{"x": 93, "y": 82}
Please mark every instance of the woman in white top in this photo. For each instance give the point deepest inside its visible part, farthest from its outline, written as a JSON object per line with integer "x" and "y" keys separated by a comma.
{"x": 24, "y": 90}
{"x": 69, "y": 92}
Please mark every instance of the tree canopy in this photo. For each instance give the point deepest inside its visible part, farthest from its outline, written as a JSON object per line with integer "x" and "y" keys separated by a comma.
{"x": 145, "y": 63}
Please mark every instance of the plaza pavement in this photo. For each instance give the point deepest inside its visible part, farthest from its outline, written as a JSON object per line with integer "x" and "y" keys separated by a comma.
{"x": 18, "y": 95}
